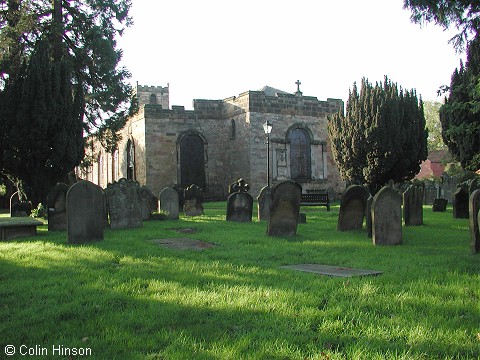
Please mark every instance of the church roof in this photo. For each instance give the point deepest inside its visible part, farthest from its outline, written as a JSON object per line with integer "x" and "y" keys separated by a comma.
{"x": 270, "y": 91}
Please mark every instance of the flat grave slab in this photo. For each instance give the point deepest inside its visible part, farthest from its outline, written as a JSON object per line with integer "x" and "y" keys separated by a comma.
{"x": 184, "y": 244}
{"x": 15, "y": 227}
{"x": 329, "y": 270}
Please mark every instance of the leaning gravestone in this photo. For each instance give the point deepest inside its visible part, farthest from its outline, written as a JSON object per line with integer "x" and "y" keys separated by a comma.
{"x": 352, "y": 208}
{"x": 85, "y": 212}
{"x": 193, "y": 196}
{"x": 57, "y": 207}
{"x": 264, "y": 201}
{"x": 168, "y": 203}
{"x": 474, "y": 207}
{"x": 460, "y": 203}
{"x": 124, "y": 204}
{"x": 286, "y": 197}
{"x": 440, "y": 205}
{"x": 239, "y": 202}
{"x": 413, "y": 205}
{"x": 387, "y": 217}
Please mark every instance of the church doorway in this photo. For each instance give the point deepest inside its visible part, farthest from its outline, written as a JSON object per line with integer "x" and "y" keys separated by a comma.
{"x": 192, "y": 161}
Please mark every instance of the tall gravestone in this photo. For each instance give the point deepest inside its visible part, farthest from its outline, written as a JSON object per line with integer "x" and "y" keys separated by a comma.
{"x": 413, "y": 205}
{"x": 473, "y": 185}
{"x": 440, "y": 205}
{"x": 460, "y": 203}
{"x": 57, "y": 207}
{"x": 353, "y": 204}
{"x": 286, "y": 198}
{"x": 239, "y": 202}
{"x": 474, "y": 207}
{"x": 387, "y": 217}
{"x": 85, "y": 212}
{"x": 264, "y": 201}
{"x": 368, "y": 216}
{"x": 169, "y": 203}
{"x": 193, "y": 197}
{"x": 124, "y": 204}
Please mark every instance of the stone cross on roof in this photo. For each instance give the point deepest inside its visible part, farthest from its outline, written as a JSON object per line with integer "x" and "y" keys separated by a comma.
{"x": 298, "y": 83}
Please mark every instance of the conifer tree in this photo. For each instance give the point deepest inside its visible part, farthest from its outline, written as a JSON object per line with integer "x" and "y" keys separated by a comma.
{"x": 460, "y": 115}
{"x": 381, "y": 137}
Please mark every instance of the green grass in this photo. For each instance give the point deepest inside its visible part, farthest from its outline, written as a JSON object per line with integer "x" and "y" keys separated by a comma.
{"x": 129, "y": 298}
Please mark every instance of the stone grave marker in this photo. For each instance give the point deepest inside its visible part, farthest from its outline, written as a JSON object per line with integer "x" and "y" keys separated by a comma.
{"x": 239, "y": 202}
{"x": 169, "y": 203}
{"x": 368, "y": 216}
{"x": 286, "y": 197}
{"x": 85, "y": 212}
{"x": 460, "y": 203}
{"x": 19, "y": 208}
{"x": 193, "y": 196}
{"x": 440, "y": 205}
{"x": 57, "y": 207}
{"x": 124, "y": 204}
{"x": 353, "y": 204}
{"x": 264, "y": 201}
{"x": 329, "y": 270}
{"x": 474, "y": 207}
{"x": 473, "y": 185}
{"x": 387, "y": 217}
{"x": 148, "y": 202}
{"x": 413, "y": 205}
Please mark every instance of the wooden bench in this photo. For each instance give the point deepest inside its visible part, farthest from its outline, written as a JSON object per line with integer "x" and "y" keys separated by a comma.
{"x": 315, "y": 199}
{"x": 14, "y": 227}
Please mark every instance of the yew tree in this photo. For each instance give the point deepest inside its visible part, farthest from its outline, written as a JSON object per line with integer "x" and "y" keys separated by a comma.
{"x": 381, "y": 136}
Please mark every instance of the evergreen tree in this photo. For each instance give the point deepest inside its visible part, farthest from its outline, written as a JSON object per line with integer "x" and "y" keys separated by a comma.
{"x": 381, "y": 137}
{"x": 83, "y": 34}
{"x": 460, "y": 115}
{"x": 42, "y": 125}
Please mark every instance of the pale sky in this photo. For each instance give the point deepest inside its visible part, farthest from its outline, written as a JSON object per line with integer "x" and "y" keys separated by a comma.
{"x": 214, "y": 49}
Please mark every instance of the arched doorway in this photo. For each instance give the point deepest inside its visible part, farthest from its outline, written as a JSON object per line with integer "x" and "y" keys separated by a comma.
{"x": 300, "y": 159}
{"x": 192, "y": 160}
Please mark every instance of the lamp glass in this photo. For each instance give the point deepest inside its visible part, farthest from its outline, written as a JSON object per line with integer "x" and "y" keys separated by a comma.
{"x": 267, "y": 127}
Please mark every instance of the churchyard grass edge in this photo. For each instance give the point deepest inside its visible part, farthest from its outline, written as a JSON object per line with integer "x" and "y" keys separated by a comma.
{"x": 126, "y": 297}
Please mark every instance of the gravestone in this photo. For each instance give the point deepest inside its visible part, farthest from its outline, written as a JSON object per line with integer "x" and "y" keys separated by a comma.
{"x": 85, "y": 212}
{"x": 368, "y": 216}
{"x": 413, "y": 205}
{"x": 148, "y": 202}
{"x": 13, "y": 200}
{"x": 474, "y": 207}
{"x": 193, "y": 196}
{"x": 181, "y": 196}
{"x": 168, "y": 202}
{"x": 430, "y": 192}
{"x": 449, "y": 185}
{"x": 353, "y": 204}
{"x": 124, "y": 204}
{"x": 460, "y": 203}
{"x": 19, "y": 208}
{"x": 57, "y": 207}
{"x": 239, "y": 202}
{"x": 286, "y": 197}
{"x": 264, "y": 201}
{"x": 440, "y": 205}
{"x": 473, "y": 185}
{"x": 387, "y": 217}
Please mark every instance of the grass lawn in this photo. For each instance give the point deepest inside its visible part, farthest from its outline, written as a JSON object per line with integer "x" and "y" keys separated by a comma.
{"x": 126, "y": 297}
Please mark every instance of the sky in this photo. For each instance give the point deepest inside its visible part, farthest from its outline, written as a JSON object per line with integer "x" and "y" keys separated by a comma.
{"x": 215, "y": 49}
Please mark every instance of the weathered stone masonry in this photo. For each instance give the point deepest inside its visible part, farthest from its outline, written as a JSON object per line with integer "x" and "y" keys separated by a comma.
{"x": 228, "y": 137}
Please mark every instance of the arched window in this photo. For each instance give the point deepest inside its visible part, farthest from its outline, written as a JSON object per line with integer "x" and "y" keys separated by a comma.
{"x": 115, "y": 165}
{"x": 130, "y": 160}
{"x": 153, "y": 99}
{"x": 300, "y": 157}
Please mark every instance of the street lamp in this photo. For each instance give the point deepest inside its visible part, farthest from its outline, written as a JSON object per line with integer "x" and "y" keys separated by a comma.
{"x": 267, "y": 127}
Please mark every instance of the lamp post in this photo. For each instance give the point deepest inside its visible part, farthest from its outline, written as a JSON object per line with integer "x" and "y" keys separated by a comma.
{"x": 267, "y": 127}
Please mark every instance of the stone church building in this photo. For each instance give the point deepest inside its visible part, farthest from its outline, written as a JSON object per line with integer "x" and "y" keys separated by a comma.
{"x": 220, "y": 141}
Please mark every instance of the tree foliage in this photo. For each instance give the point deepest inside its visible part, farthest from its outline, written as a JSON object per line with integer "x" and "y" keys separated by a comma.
{"x": 463, "y": 14}
{"x": 60, "y": 79}
{"x": 381, "y": 137}
{"x": 460, "y": 115}
{"x": 42, "y": 125}
{"x": 83, "y": 34}
{"x": 432, "y": 119}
